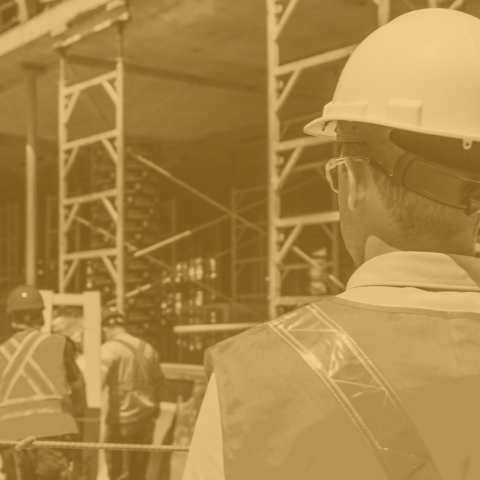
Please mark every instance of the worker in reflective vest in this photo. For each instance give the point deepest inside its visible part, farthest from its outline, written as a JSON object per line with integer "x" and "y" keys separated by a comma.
{"x": 381, "y": 382}
{"x": 41, "y": 389}
{"x": 131, "y": 371}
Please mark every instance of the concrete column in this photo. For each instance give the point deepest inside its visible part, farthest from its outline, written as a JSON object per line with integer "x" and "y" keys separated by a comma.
{"x": 31, "y": 178}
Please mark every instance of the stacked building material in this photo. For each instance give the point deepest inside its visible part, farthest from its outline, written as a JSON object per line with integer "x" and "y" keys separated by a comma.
{"x": 142, "y": 227}
{"x": 186, "y": 302}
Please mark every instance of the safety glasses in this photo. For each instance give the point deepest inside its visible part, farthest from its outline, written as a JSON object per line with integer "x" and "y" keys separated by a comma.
{"x": 331, "y": 170}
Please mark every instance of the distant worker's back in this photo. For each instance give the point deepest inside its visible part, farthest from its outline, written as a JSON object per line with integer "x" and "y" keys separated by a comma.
{"x": 34, "y": 393}
{"x": 131, "y": 370}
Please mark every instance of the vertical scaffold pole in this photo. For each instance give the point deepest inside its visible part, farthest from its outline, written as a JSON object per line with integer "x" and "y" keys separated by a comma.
{"x": 273, "y": 279}
{"x": 120, "y": 180}
{"x": 384, "y": 11}
{"x": 62, "y": 184}
{"x": 233, "y": 252}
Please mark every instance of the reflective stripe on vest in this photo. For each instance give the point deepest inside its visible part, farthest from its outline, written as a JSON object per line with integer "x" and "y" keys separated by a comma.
{"x": 361, "y": 390}
{"x": 21, "y": 366}
{"x": 31, "y": 406}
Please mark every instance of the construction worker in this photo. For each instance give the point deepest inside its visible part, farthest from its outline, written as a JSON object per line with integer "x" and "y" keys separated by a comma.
{"x": 41, "y": 390}
{"x": 131, "y": 370}
{"x": 382, "y": 381}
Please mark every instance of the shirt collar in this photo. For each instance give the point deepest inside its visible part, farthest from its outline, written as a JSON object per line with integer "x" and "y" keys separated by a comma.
{"x": 427, "y": 270}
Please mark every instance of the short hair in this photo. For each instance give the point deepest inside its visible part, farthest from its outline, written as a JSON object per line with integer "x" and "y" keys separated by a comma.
{"x": 27, "y": 318}
{"x": 414, "y": 214}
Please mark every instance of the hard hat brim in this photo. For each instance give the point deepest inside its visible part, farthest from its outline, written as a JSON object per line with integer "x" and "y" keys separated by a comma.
{"x": 325, "y": 127}
{"x": 319, "y": 128}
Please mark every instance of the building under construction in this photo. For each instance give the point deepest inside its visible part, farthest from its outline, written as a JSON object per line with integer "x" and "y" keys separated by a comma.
{"x": 153, "y": 158}
{"x": 153, "y": 151}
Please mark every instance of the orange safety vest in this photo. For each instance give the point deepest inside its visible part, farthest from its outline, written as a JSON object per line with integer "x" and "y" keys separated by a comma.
{"x": 34, "y": 393}
{"x": 342, "y": 390}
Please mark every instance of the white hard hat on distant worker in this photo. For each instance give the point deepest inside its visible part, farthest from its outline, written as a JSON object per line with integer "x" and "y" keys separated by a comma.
{"x": 419, "y": 73}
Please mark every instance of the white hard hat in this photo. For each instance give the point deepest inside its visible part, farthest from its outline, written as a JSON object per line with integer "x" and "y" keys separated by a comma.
{"x": 420, "y": 72}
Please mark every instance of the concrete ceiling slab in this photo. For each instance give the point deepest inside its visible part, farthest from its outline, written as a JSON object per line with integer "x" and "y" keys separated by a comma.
{"x": 196, "y": 68}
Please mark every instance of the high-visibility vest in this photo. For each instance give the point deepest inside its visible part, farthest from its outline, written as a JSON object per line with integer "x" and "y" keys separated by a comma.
{"x": 34, "y": 393}
{"x": 341, "y": 390}
{"x": 134, "y": 381}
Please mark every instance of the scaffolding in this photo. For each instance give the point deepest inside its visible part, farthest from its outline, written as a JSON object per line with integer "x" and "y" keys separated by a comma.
{"x": 112, "y": 255}
{"x": 50, "y": 253}
{"x": 285, "y": 154}
{"x": 284, "y": 157}
{"x": 248, "y": 250}
{"x": 290, "y": 258}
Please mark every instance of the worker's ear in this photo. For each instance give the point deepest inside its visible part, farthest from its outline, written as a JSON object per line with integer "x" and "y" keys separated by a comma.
{"x": 357, "y": 181}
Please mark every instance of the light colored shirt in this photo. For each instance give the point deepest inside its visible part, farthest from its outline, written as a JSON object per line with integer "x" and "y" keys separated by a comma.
{"x": 404, "y": 279}
{"x": 131, "y": 370}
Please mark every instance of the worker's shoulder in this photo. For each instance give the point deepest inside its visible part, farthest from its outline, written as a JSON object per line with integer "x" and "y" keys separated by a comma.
{"x": 348, "y": 315}
{"x": 263, "y": 333}
{"x": 51, "y": 346}
{"x": 56, "y": 339}
{"x": 63, "y": 339}
{"x": 112, "y": 345}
